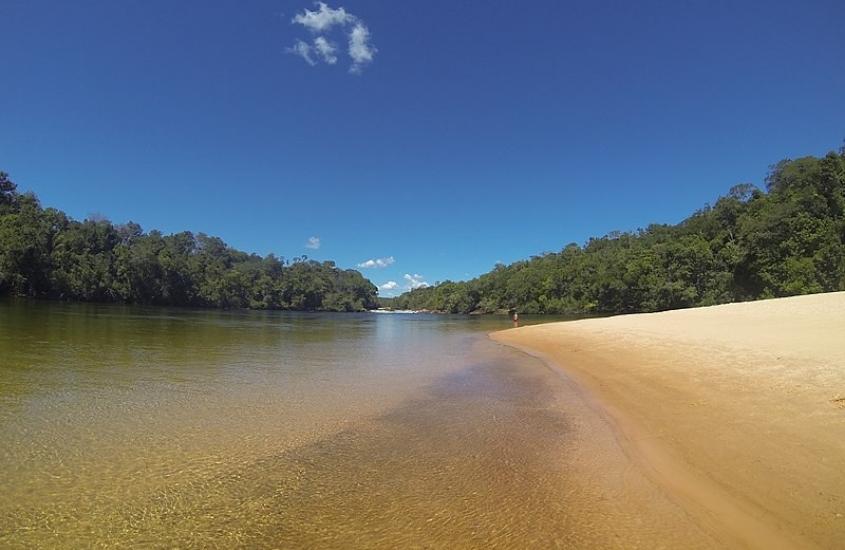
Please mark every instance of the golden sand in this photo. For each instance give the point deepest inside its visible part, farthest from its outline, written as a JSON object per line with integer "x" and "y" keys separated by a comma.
{"x": 736, "y": 412}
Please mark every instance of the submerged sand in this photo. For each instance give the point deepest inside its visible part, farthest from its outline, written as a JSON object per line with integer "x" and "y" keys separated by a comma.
{"x": 735, "y": 412}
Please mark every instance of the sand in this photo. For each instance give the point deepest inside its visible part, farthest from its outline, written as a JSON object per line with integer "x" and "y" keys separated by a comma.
{"x": 736, "y": 412}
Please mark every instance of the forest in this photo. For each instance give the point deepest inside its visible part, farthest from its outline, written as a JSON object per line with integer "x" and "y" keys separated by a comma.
{"x": 753, "y": 243}
{"x": 786, "y": 240}
{"x": 45, "y": 253}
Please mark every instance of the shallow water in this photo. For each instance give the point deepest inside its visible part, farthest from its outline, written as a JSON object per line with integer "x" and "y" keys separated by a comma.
{"x": 161, "y": 427}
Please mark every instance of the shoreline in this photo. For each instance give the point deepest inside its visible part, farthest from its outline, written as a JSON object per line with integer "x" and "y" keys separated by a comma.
{"x": 731, "y": 410}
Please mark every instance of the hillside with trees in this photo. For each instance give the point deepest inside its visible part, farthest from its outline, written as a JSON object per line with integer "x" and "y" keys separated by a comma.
{"x": 45, "y": 253}
{"x": 751, "y": 244}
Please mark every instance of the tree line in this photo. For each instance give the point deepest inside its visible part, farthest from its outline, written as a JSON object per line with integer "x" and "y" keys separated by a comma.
{"x": 46, "y": 253}
{"x": 786, "y": 240}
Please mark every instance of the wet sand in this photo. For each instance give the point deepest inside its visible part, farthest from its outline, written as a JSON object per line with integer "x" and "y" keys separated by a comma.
{"x": 735, "y": 414}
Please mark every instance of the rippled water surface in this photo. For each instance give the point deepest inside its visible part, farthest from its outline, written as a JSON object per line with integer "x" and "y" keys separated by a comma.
{"x": 162, "y": 427}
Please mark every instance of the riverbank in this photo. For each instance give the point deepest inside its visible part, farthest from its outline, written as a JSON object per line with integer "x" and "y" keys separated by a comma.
{"x": 737, "y": 412}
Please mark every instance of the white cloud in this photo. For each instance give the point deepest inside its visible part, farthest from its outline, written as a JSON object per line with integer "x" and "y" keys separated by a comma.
{"x": 324, "y": 18}
{"x": 360, "y": 50}
{"x": 313, "y": 243}
{"x": 389, "y": 285}
{"x": 303, "y": 50}
{"x": 377, "y": 263}
{"x": 326, "y": 50}
{"x": 415, "y": 281}
{"x": 321, "y": 21}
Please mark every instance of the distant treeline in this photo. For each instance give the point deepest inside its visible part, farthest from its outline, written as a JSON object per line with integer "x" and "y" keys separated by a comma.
{"x": 45, "y": 253}
{"x": 751, "y": 244}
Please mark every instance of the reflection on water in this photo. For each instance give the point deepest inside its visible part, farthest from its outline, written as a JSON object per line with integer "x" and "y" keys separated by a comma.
{"x": 158, "y": 427}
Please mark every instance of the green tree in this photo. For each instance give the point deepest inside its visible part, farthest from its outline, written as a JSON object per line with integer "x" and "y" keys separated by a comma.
{"x": 44, "y": 253}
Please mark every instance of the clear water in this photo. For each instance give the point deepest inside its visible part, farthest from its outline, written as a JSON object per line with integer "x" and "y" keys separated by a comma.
{"x": 158, "y": 427}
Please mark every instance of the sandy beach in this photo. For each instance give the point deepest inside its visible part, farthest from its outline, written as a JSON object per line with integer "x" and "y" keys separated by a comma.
{"x": 735, "y": 412}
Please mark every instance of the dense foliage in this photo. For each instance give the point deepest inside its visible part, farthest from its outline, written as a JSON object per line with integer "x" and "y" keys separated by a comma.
{"x": 751, "y": 244}
{"x": 43, "y": 252}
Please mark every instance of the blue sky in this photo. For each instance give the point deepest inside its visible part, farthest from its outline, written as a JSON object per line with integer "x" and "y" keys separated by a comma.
{"x": 452, "y": 135}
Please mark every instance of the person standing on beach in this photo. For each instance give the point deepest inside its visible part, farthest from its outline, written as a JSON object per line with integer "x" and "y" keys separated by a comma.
{"x": 515, "y": 318}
